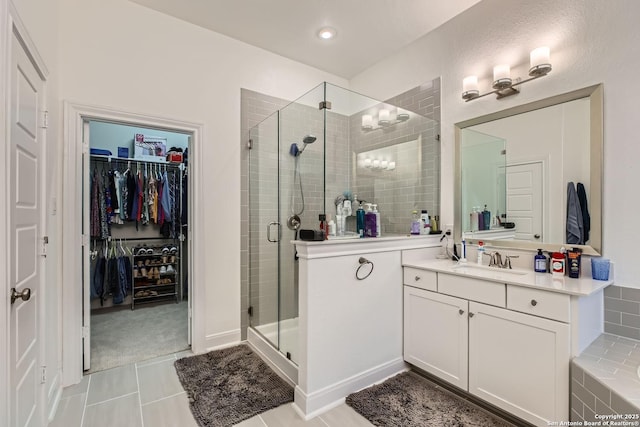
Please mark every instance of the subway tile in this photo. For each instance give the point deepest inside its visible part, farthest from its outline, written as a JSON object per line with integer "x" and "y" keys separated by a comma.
{"x": 624, "y": 306}
{"x": 612, "y": 291}
{"x": 613, "y": 317}
{"x": 583, "y": 394}
{"x": 631, "y": 320}
{"x": 602, "y": 408}
{"x": 575, "y": 417}
{"x": 621, "y": 405}
{"x": 577, "y": 405}
{"x": 595, "y": 387}
{"x": 624, "y": 331}
{"x": 631, "y": 294}
{"x": 589, "y": 414}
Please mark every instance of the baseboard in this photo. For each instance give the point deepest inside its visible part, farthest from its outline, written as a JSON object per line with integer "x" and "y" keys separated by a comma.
{"x": 272, "y": 357}
{"x": 222, "y": 340}
{"x": 313, "y": 404}
{"x": 53, "y": 398}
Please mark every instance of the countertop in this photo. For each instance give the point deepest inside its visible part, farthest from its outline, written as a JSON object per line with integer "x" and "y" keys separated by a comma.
{"x": 544, "y": 281}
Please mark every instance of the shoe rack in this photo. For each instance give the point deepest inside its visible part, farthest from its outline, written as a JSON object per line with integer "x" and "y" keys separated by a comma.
{"x": 155, "y": 274}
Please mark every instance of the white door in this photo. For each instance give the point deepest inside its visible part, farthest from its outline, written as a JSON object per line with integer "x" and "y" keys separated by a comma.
{"x": 524, "y": 200}
{"x": 519, "y": 363}
{"x": 435, "y": 334}
{"x": 25, "y": 234}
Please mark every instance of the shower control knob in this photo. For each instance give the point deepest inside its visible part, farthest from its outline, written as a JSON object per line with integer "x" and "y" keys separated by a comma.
{"x": 417, "y": 278}
{"x": 461, "y": 311}
{"x": 534, "y": 302}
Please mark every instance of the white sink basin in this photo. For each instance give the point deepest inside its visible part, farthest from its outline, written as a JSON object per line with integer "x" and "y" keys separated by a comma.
{"x": 474, "y": 266}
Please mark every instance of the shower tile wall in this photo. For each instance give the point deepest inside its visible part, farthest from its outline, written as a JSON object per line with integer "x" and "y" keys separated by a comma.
{"x": 415, "y": 183}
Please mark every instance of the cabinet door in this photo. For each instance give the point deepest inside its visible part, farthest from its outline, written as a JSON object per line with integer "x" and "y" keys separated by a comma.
{"x": 519, "y": 363}
{"x": 436, "y": 334}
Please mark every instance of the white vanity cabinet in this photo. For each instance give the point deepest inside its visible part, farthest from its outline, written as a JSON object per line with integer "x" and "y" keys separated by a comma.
{"x": 436, "y": 334}
{"x": 506, "y": 344}
{"x": 519, "y": 363}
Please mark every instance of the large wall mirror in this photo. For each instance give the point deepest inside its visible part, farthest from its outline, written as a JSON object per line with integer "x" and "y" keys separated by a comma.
{"x": 518, "y": 167}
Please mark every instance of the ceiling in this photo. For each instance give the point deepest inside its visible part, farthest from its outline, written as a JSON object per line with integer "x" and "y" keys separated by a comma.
{"x": 367, "y": 30}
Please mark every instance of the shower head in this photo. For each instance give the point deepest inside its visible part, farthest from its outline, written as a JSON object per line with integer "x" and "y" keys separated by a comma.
{"x": 308, "y": 139}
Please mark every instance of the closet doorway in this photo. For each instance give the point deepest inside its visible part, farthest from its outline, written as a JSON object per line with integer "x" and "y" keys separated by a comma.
{"x": 136, "y": 283}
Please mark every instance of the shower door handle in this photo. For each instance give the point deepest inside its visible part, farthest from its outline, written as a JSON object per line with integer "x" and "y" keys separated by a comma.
{"x": 277, "y": 239}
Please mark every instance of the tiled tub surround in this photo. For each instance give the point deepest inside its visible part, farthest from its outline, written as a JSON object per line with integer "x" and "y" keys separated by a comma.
{"x": 622, "y": 311}
{"x": 604, "y": 379}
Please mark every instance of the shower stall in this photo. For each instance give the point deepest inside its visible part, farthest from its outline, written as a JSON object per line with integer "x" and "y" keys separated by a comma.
{"x": 329, "y": 143}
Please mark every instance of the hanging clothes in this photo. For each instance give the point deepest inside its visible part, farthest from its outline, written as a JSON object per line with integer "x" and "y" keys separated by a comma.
{"x": 584, "y": 206}
{"x": 184, "y": 214}
{"x": 574, "y": 226}
{"x": 131, "y": 196}
{"x": 94, "y": 215}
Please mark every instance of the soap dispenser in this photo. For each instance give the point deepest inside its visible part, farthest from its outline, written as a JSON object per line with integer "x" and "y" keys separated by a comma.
{"x": 540, "y": 262}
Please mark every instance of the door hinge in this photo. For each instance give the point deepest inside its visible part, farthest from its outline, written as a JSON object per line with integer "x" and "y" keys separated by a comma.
{"x": 85, "y": 148}
{"x": 250, "y": 311}
{"x": 250, "y": 144}
{"x": 43, "y": 376}
{"x": 85, "y": 240}
{"x": 45, "y": 242}
{"x": 324, "y": 105}
{"x": 85, "y": 332}
{"x": 45, "y": 119}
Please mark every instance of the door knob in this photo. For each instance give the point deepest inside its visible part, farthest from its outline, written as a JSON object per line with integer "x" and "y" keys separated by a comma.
{"x": 24, "y": 295}
{"x": 537, "y": 236}
{"x": 461, "y": 311}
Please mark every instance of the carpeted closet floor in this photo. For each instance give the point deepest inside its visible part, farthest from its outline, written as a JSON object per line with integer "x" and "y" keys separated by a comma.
{"x": 122, "y": 336}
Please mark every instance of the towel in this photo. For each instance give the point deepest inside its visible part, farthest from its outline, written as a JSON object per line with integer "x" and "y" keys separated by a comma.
{"x": 586, "y": 218}
{"x": 575, "y": 230}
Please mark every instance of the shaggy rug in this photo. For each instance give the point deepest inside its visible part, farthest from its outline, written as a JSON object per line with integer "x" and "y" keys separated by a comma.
{"x": 230, "y": 385}
{"x": 411, "y": 400}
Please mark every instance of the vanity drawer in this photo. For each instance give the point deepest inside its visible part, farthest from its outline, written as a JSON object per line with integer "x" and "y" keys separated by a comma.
{"x": 551, "y": 305}
{"x": 472, "y": 289}
{"x": 423, "y": 279}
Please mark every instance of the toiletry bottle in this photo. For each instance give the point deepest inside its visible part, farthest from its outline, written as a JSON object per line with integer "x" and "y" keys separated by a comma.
{"x": 463, "y": 247}
{"x": 474, "y": 219}
{"x": 415, "y": 223}
{"x": 557, "y": 264}
{"x": 540, "y": 262}
{"x": 339, "y": 222}
{"x": 480, "y": 251}
{"x": 574, "y": 256}
{"x": 425, "y": 223}
{"x": 360, "y": 220}
{"x": 378, "y": 228}
{"x": 434, "y": 224}
{"x": 486, "y": 216}
{"x": 323, "y": 225}
{"x": 369, "y": 222}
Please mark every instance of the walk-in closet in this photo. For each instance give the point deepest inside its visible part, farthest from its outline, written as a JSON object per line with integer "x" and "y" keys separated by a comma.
{"x": 136, "y": 195}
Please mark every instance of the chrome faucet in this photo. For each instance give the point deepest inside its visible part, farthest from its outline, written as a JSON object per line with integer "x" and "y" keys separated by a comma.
{"x": 496, "y": 260}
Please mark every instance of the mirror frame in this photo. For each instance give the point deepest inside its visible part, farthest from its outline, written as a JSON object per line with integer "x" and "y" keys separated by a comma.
{"x": 595, "y": 95}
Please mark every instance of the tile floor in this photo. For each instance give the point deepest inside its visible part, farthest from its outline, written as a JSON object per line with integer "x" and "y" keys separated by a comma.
{"x": 149, "y": 394}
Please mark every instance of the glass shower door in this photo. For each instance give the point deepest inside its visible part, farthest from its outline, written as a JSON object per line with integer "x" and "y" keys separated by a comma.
{"x": 264, "y": 230}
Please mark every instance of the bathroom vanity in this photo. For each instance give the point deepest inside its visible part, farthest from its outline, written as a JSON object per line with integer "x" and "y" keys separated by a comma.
{"x": 505, "y": 336}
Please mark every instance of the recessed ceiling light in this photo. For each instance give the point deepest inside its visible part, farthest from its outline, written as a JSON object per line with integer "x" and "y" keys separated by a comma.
{"x": 327, "y": 33}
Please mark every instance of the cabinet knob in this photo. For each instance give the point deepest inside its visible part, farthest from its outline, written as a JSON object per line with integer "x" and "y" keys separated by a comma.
{"x": 461, "y": 311}
{"x": 471, "y": 314}
{"x": 417, "y": 278}
{"x": 534, "y": 302}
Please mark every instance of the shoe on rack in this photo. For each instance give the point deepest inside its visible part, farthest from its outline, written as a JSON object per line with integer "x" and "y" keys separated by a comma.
{"x": 170, "y": 269}
{"x": 163, "y": 270}
{"x": 143, "y": 272}
{"x": 173, "y": 250}
{"x": 140, "y": 251}
{"x": 136, "y": 272}
{"x": 165, "y": 250}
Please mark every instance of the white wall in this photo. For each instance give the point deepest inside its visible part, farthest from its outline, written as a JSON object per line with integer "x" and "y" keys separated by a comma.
{"x": 592, "y": 41}
{"x": 124, "y": 56}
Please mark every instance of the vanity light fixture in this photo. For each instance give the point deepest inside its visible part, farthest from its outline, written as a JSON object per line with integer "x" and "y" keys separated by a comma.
{"x": 503, "y": 84}
{"x": 385, "y": 119}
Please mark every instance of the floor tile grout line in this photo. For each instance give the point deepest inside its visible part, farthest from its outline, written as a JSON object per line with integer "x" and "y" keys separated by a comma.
{"x": 111, "y": 399}
{"x": 164, "y": 398}
{"x": 86, "y": 398}
{"x": 139, "y": 396}
{"x": 262, "y": 420}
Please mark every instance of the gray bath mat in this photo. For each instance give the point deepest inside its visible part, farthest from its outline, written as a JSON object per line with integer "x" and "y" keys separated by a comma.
{"x": 230, "y": 385}
{"x": 411, "y": 400}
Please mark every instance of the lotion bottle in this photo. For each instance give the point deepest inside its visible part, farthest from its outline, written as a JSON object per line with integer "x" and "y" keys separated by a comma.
{"x": 360, "y": 220}
{"x": 480, "y": 251}
{"x": 378, "y": 229}
{"x": 540, "y": 262}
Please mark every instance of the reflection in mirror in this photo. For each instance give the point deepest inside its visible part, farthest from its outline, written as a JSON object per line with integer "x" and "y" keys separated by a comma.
{"x": 549, "y": 147}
